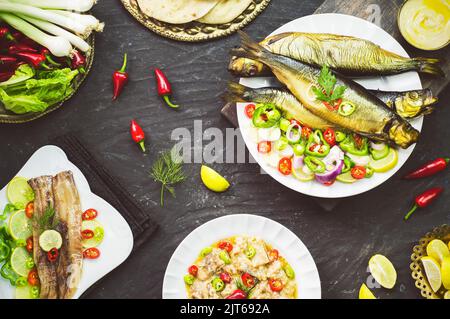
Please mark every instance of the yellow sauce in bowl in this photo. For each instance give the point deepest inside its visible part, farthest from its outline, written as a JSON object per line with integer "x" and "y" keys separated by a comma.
{"x": 425, "y": 24}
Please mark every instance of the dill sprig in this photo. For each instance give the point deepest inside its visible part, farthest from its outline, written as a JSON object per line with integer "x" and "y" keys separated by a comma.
{"x": 44, "y": 220}
{"x": 168, "y": 170}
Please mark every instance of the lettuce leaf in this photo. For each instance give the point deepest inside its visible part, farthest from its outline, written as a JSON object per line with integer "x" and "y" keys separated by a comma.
{"x": 23, "y": 73}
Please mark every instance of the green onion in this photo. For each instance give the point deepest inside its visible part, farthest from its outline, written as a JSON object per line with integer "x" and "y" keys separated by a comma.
{"x": 88, "y": 20}
{"x": 75, "y": 5}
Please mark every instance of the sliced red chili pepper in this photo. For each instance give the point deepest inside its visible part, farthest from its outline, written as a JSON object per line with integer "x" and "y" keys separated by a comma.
{"x": 29, "y": 210}
{"x": 248, "y": 280}
{"x": 164, "y": 87}
{"x": 250, "y": 110}
{"x": 237, "y": 294}
{"x": 330, "y": 136}
{"x": 193, "y": 270}
{"x": 225, "y": 245}
{"x": 87, "y": 234}
{"x": 29, "y": 244}
{"x": 294, "y": 121}
{"x": 52, "y": 254}
{"x": 274, "y": 255}
{"x": 137, "y": 134}
{"x": 329, "y": 183}
{"x": 275, "y": 285}
{"x": 91, "y": 253}
{"x": 306, "y": 132}
{"x": 285, "y": 166}
{"x": 120, "y": 79}
{"x": 226, "y": 278}
{"x": 33, "y": 278}
{"x": 359, "y": 172}
{"x": 264, "y": 147}
{"x": 89, "y": 214}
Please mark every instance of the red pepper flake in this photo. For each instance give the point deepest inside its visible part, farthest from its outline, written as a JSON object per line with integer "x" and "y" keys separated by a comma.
{"x": 120, "y": 78}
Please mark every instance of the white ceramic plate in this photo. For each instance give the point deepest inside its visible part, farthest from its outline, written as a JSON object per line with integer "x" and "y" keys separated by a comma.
{"x": 118, "y": 241}
{"x": 343, "y": 25}
{"x": 278, "y": 236}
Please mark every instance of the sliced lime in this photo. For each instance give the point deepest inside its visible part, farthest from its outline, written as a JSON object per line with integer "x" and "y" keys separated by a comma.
{"x": 20, "y": 226}
{"x": 385, "y": 164}
{"x": 19, "y": 260}
{"x": 213, "y": 180}
{"x": 383, "y": 271}
{"x": 50, "y": 239}
{"x": 24, "y": 292}
{"x": 19, "y": 193}
{"x": 346, "y": 178}
{"x": 433, "y": 272}
{"x": 301, "y": 176}
{"x": 98, "y": 230}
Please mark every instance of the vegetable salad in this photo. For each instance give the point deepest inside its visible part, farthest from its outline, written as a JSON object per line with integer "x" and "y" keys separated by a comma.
{"x": 308, "y": 154}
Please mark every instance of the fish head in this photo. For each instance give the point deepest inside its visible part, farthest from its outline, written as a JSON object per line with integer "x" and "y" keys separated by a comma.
{"x": 403, "y": 134}
{"x": 415, "y": 103}
{"x": 245, "y": 67}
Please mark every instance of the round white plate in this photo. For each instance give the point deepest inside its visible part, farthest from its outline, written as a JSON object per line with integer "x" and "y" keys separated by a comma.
{"x": 278, "y": 236}
{"x": 343, "y": 25}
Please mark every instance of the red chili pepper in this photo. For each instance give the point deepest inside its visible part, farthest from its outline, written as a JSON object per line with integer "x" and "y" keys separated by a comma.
{"x": 164, "y": 87}
{"x": 5, "y": 34}
{"x": 91, "y": 253}
{"x": 275, "y": 285}
{"x": 29, "y": 245}
{"x": 425, "y": 199}
{"x": 46, "y": 52}
{"x": 33, "y": 278}
{"x": 225, "y": 277}
{"x": 7, "y": 60}
{"x": 237, "y": 294}
{"x": 248, "y": 280}
{"x": 78, "y": 61}
{"x": 52, "y": 254}
{"x": 20, "y": 48}
{"x": 89, "y": 214}
{"x": 137, "y": 134}
{"x": 429, "y": 169}
{"x": 193, "y": 270}
{"x": 120, "y": 79}
{"x": 87, "y": 234}
{"x": 37, "y": 60}
{"x": 225, "y": 245}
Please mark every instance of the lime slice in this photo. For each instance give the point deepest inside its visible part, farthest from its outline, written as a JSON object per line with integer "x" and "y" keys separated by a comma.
{"x": 213, "y": 180}
{"x": 346, "y": 178}
{"x": 365, "y": 293}
{"x": 301, "y": 176}
{"x": 23, "y": 292}
{"x": 445, "y": 272}
{"x": 433, "y": 272}
{"x": 50, "y": 239}
{"x": 385, "y": 164}
{"x": 19, "y": 193}
{"x": 19, "y": 259}
{"x": 98, "y": 230}
{"x": 438, "y": 250}
{"x": 20, "y": 226}
{"x": 383, "y": 271}
{"x": 447, "y": 295}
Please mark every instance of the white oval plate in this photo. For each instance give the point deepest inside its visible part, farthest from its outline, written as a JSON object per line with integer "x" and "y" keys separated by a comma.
{"x": 343, "y": 25}
{"x": 275, "y": 234}
{"x": 118, "y": 241}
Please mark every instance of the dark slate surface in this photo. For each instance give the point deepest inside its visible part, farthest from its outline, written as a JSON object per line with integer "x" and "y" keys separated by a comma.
{"x": 341, "y": 241}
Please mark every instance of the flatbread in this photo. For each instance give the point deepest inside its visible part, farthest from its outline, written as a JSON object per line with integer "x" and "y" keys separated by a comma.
{"x": 176, "y": 11}
{"x": 225, "y": 11}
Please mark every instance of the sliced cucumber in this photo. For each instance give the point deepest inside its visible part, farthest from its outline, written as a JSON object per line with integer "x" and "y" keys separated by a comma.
{"x": 346, "y": 178}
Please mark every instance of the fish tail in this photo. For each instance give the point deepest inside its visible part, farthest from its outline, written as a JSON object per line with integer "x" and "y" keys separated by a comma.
{"x": 430, "y": 66}
{"x": 250, "y": 49}
{"x": 236, "y": 92}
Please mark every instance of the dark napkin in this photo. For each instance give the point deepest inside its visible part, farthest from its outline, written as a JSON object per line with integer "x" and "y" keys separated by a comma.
{"x": 105, "y": 185}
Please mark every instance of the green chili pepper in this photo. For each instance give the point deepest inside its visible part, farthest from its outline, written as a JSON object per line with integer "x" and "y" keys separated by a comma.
{"x": 316, "y": 140}
{"x": 281, "y": 144}
{"x": 314, "y": 164}
{"x": 290, "y": 273}
{"x": 9, "y": 208}
{"x": 218, "y": 284}
{"x": 284, "y": 124}
{"x": 346, "y": 108}
{"x": 340, "y": 136}
{"x": 21, "y": 282}
{"x": 299, "y": 149}
{"x": 5, "y": 250}
{"x": 348, "y": 164}
{"x": 369, "y": 172}
{"x": 348, "y": 145}
{"x": 30, "y": 263}
{"x": 189, "y": 279}
{"x": 35, "y": 292}
{"x": 8, "y": 273}
{"x": 266, "y": 116}
{"x": 205, "y": 251}
{"x": 21, "y": 243}
{"x": 250, "y": 252}
{"x": 225, "y": 257}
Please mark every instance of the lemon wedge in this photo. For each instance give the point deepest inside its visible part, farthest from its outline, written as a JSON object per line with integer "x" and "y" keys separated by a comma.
{"x": 385, "y": 164}
{"x": 433, "y": 272}
{"x": 383, "y": 271}
{"x": 213, "y": 180}
{"x": 438, "y": 250}
{"x": 447, "y": 295}
{"x": 445, "y": 272}
{"x": 365, "y": 293}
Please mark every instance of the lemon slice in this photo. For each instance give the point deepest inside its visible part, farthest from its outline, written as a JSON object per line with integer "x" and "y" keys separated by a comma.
{"x": 385, "y": 164}
{"x": 433, "y": 272}
{"x": 383, "y": 271}
{"x": 365, "y": 293}
{"x": 301, "y": 176}
{"x": 50, "y": 239}
{"x": 447, "y": 295}
{"x": 20, "y": 226}
{"x": 438, "y": 250}
{"x": 19, "y": 259}
{"x": 98, "y": 230}
{"x": 346, "y": 178}
{"x": 445, "y": 272}
{"x": 19, "y": 193}
{"x": 213, "y": 180}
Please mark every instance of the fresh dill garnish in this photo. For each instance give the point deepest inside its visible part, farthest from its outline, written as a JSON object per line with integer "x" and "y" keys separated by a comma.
{"x": 328, "y": 91}
{"x": 168, "y": 170}
{"x": 44, "y": 220}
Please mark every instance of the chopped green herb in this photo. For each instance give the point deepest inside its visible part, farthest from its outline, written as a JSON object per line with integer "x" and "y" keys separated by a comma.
{"x": 328, "y": 91}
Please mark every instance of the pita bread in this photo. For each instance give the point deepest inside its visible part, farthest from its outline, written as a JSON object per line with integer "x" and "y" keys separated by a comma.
{"x": 176, "y": 11}
{"x": 225, "y": 11}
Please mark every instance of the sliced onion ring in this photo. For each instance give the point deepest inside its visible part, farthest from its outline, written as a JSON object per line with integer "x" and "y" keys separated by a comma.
{"x": 289, "y": 134}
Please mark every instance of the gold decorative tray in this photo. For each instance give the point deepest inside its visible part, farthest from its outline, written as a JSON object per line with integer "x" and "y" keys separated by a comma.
{"x": 196, "y": 31}
{"x": 9, "y": 117}
{"x": 418, "y": 274}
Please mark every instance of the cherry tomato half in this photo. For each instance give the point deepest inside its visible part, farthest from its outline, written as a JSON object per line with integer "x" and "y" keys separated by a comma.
{"x": 248, "y": 280}
{"x": 306, "y": 132}
{"x": 226, "y": 278}
{"x": 275, "y": 285}
{"x": 87, "y": 234}
{"x": 264, "y": 147}
{"x": 91, "y": 253}
{"x": 249, "y": 110}
{"x": 193, "y": 270}
{"x": 330, "y": 136}
{"x": 274, "y": 255}
{"x": 225, "y": 245}
{"x": 52, "y": 255}
{"x": 285, "y": 166}
{"x": 29, "y": 210}
{"x": 33, "y": 278}
{"x": 89, "y": 214}
{"x": 359, "y": 172}
{"x": 29, "y": 245}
